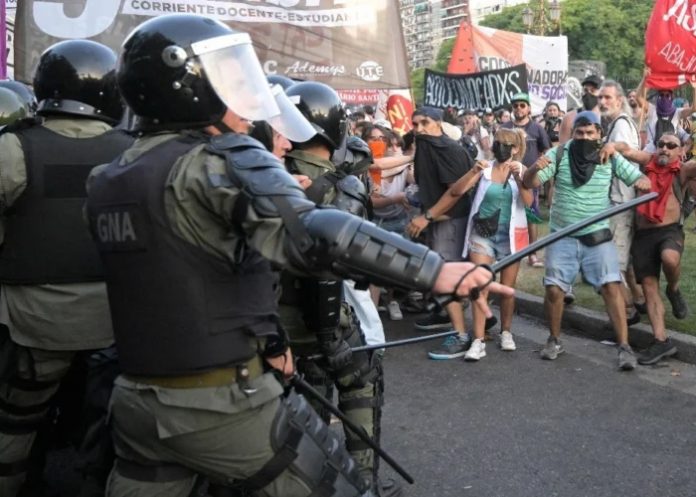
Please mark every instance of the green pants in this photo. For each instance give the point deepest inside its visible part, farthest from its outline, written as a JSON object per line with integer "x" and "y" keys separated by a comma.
{"x": 30, "y": 380}
{"x": 219, "y": 432}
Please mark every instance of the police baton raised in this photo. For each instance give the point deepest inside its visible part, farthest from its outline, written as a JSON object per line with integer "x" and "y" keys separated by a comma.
{"x": 548, "y": 240}
{"x": 302, "y": 386}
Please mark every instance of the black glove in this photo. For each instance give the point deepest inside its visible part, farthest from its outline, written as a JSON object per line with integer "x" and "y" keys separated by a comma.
{"x": 337, "y": 353}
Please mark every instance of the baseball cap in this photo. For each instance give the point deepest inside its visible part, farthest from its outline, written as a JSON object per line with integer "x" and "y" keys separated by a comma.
{"x": 593, "y": 80}
{"x": 520, "y": 97}
{"x": 488, "y": 110}
{"x": 586, "y": 117}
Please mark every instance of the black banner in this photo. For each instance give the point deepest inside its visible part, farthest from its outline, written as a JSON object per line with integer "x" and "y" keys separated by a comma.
{"x": 474, "y": 91}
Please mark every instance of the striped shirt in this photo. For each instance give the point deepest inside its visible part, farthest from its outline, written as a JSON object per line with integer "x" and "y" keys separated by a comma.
{"x": 570, "y": 203}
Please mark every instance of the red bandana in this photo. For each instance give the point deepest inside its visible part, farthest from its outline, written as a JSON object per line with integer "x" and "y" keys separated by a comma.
{"x": 661, "y": 178}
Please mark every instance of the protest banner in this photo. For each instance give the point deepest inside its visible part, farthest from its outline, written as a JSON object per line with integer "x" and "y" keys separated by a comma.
{"x": 670, "y": 50}
{"x": 474, "y": 91}
{"x": 344, "y": 44}
{"x": 478, "y": 48}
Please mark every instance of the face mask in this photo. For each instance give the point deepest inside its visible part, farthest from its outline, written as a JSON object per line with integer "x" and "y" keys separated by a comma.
{"x": 378, "y": 148}
{"x": 589, "y": 101}
{"x": 665, "y": 106}
{"x": 501, "y": 151}
{"x": 586, "y": 150}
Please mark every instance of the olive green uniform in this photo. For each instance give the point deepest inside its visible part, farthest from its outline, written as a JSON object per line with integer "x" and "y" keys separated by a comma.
{"x": 216, "y": 429}
{"x": 47, "y": 324}
{"x": 357, "y": 401}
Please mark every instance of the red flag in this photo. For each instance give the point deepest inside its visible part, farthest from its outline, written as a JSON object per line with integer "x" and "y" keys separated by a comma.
{"x": 399, "y": 110}
{"x": 463, "y": 60}
{"x": 670, "y": 44}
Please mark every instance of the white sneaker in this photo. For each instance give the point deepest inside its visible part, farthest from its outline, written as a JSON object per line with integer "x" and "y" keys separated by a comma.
{"x": 507, "y": 342}
{"x": 394, "y": 311}
{"x": 476, "y": 351}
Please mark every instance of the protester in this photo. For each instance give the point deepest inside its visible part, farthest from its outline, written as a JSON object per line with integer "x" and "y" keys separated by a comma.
{"x": 552, "y": 122}
{"x": 489, "y": 122}
{"x": 439, "y": 162}
{"x": 503, "y": 116}
{"x": 582, "y": 190}
{"x": 659, "y": 239}
{"x": 663, "y": 116}
{"x": 477, "y": 134}
{"x": 590, "y": 102}
{"x": 537, "y": 143}
{"x": 620, "y": 127}
{"x": 390, "y": 205}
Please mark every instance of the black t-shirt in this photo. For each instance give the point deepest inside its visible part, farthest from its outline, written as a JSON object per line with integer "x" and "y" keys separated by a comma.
{"x": 440, "y": 161}
{"x": 537, "y": 141}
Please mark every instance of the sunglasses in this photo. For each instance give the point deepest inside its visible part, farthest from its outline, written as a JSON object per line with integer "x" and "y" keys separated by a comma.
{"x": 519, "y": 105}
{"x": 669, "y": 145}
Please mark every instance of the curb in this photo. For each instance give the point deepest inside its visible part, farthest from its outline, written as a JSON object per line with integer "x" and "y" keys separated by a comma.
{"x": 595, "y": 325}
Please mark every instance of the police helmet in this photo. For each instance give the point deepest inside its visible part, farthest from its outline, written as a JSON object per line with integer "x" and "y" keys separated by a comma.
{"x": 24, "y": 92}
{"x": 323, "y": 108}
{"x": 77, "y": 77}
{"x": 185, "y": 70}
{"x": 277, "y": 79}
{"x": 353, "y": 156}
{"x": 11, "y": 107}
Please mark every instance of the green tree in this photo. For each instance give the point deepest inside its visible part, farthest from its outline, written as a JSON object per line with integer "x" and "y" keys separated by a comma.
{"x": 417, "y": 83}
{"x": 613, "y": 32}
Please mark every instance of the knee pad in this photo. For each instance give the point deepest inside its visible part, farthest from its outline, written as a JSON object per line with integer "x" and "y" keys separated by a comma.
{"x": 306, "y": 446}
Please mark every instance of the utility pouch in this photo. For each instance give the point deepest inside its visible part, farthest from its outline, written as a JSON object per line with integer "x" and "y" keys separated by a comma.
{"x": 595, "y": 238}
{"x": 486, "y": 226}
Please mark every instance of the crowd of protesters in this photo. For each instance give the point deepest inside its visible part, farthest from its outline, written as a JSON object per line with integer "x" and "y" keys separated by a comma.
{"x": 479, "y": 174}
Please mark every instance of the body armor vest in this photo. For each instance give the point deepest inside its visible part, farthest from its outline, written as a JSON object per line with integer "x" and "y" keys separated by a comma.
{"x": 176, "y": 309}
{"x": 46, "y": 238}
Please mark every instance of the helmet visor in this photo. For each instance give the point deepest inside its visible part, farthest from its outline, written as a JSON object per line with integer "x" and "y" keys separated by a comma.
{"x": 235, "y": 73}
{"x": 290, "y": 122}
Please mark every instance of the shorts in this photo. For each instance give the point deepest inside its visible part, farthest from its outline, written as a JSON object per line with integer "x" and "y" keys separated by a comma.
{"x": 447, "y": 238}
{"x": 621, "y": 227}
{"x": 495, "y": 247}
{"x": 568, "y": 256}
{"x": 648, "y": 245}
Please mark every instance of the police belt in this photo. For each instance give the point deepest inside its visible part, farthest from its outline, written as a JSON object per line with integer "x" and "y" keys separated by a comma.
{"x": 211, "y": 378}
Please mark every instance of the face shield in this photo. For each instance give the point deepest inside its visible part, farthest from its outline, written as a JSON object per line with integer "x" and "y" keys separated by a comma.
{"x": 290, "y": 122}
{"x": 235, "y": 73}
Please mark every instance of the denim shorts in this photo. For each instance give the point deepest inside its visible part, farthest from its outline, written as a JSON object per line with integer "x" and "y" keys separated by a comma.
{"x": 495, "y": 247}
{"x": 568, "y": 256}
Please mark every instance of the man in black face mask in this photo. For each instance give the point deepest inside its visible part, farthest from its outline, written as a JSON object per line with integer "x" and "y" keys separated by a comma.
{"x": 590, "y": 101}
{"x": 582, "y": 190}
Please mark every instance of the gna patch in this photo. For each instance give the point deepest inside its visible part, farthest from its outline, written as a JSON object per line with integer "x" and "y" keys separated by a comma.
{"x": 118, "y": 228}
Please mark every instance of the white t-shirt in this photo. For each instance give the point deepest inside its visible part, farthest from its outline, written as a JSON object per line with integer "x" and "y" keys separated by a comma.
{"x": 623, "y": 129}
{"x": 476, "y": 138}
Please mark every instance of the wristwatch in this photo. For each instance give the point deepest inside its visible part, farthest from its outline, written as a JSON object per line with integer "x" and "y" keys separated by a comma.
{"x": 428, "y": 217}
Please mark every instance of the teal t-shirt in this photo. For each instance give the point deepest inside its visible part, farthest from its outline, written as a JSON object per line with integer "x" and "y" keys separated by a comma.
{"x": 497, "y": 197}
{"x": 570, "y": 203}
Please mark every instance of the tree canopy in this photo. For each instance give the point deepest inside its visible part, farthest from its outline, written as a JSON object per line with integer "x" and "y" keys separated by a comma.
{"x": 613, "y": 32}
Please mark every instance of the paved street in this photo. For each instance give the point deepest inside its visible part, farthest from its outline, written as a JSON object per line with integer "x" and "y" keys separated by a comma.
{"x": 513, "y": 425}
{"x": 516, "y": 426}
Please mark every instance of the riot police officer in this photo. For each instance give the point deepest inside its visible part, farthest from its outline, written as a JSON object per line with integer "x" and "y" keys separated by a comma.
{"x": 25, "y": 94}
{"x": 53, "y": 299}
{"x": 314, "y": 311}
{"x": 187, "y": 222}
{"x": 12, "y": 108}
